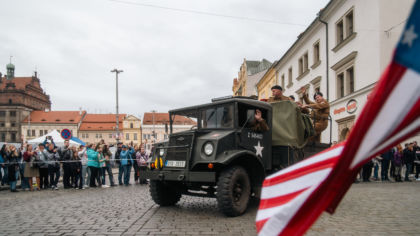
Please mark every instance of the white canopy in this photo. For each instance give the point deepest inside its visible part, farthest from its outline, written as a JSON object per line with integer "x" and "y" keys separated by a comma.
{"x": 58, "y": 140}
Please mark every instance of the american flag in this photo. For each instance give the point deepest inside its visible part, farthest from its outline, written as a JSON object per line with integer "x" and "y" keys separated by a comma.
{"x": 293, "y": 198}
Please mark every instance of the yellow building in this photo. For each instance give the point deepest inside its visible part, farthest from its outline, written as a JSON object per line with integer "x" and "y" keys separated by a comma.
{"x": 269, "y": 79}
{"x": 132, "y": 130}
{"x": 249, "y": 74}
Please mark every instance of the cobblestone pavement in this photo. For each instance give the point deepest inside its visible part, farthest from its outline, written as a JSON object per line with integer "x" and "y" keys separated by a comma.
{"x": 367, "y": 209}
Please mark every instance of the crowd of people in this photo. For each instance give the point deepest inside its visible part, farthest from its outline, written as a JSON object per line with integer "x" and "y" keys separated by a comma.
{"x": 80, "y": 166}
{"x": 396, "y": 164}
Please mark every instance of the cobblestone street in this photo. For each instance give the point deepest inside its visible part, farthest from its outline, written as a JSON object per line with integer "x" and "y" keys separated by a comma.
{"x": 367, "y": 209}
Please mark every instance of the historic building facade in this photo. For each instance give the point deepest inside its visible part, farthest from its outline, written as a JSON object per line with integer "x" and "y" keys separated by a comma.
{"x": 19, "y": 96}
{"x": 132, "y": 130}
{"x": 249, "y": 74}
{"x": 39, "y": 123}
{"x": 97, "y": 127}
{"x": 342, "y": 54}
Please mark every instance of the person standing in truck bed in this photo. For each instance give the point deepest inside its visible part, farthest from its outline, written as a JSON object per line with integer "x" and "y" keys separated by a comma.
{"x": 277, "y": 92}
{"x": 320, "y": 112}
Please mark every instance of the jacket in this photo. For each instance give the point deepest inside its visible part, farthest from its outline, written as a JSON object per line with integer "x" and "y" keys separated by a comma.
{"x": 43, "y": 159}
{"x": 93, "y": 160}
{"x": 125, "y": 157}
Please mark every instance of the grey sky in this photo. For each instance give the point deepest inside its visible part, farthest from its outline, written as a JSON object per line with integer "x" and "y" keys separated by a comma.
{"x": 170, "y": 59}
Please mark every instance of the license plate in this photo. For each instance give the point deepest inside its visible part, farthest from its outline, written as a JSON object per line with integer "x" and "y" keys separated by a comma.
{"x": 175, "y": 163}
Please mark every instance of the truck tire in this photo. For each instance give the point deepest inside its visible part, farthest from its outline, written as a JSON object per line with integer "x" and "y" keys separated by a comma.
{"x": 163, "y": 194}
{"x": 233, "y": 191}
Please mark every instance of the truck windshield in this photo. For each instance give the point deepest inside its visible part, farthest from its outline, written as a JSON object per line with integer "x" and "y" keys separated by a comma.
{"x": 217, "y": 117}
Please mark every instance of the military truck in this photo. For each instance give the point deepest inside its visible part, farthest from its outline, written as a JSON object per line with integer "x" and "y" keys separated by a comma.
{"x": 221, "y": 156}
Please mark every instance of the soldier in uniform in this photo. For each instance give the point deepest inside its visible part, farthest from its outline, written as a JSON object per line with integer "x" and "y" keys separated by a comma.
{"x": 277, "y": 92}
{"x": 320, "y": 112}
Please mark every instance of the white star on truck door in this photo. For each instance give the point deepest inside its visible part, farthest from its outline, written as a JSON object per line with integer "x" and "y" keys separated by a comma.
{"x": 258, "y": 149}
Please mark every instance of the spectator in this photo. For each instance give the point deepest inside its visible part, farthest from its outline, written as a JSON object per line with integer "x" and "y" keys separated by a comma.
{"x": 367, "y": 171}
{"x": 31, "y": 167}
{"x": 126, "y": 162}
{"x": 117, "y": 160}
{"x": 76, "y": 170}
{"x": 101, "y": 173}
{"x": 53, "y": 165}
{"x": 135, "y": 165}
{"x": 376, "y": 161}
{"x": 397, "y": 160}
{"x": 107, "y": 166}
{"x": 43, "y": 166}
{"x": 12, "y": 160}
{"x": 24, "y": 184}
{"x": 3, "y": 164}
{"x": 93, "y": 165}
{"x": 408, "y": 159}
{"x": 66, "y": 155}
{"x": 142, "y": 158}
{"x": 416, "y": 148}
{"x": 386, "y": 158}
{"x": 83, "y": 158}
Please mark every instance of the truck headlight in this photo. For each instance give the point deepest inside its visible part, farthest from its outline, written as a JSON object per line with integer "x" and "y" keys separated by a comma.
{"x": 208, "y": 148}
{"x": 161, "y": 152}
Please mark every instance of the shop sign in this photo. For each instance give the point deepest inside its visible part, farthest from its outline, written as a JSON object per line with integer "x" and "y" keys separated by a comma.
{"x": 351, "y": 106}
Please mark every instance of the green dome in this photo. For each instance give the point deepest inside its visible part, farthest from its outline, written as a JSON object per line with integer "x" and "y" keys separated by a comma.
{"x": 10, "y": 66}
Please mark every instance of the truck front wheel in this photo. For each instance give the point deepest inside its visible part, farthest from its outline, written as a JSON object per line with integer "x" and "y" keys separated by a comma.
{"x": 233, "y": 191}
{"x": 163, "y": 194}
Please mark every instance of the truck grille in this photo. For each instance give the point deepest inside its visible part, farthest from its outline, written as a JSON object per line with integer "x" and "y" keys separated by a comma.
{"x": 179, "y": 153}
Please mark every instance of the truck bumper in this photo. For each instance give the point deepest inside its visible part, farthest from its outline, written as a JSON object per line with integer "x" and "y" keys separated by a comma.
{"x": 190, "y": 176}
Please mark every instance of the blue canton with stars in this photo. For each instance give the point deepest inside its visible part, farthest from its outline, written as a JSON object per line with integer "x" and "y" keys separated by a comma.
{"x": 408, "y": 49}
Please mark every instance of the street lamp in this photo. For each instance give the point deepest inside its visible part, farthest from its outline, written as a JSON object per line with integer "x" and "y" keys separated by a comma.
{"x": 116, "y": 71}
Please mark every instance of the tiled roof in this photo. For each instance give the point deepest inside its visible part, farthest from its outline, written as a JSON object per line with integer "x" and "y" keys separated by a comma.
{"x": 55, "y": 117}
{"x": 163, "y": 118}
{"x": 99, "y": 126}
{"x": 19, "y": 82}
{"x": 106, "y": 118}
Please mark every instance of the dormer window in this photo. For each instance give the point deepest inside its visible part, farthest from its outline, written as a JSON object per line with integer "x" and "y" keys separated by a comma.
{"x": 58, "y": 120}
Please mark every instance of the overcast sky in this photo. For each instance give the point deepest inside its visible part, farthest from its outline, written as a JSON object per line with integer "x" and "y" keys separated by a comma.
{"x": 170, "y": 58}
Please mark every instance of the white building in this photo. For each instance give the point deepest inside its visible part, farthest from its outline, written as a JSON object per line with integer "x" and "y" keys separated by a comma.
{"x": 342, "y": 54}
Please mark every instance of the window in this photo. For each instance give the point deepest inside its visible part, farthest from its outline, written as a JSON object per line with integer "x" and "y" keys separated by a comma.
{"x": 350, "y": 80}
{"x": 344, "y": 30}
{"x": 87, "y": 135}
{"x": 2, "y": 113}
{"x": 33, "y": 133}
{"x": 340, "y": 31}
{"x": 135, "y": 136}
{"x": 45, "y": 131}
{"x": 2, "y": 124}
{"x": 13, "y": 124}
{"x": 148, "y": 136}
{"x": 290, "y": 77}
{"x": 282, "y": 81}
{"x": 340, "y": 85}
{"x": 219, "y": 117}
{"x": 131, "y": 125}
{"x": 3, "y": 137}
{"x": 28, "y": 132}
{"x": 300, "y": 66}
{"x": 305, "y": 62}
{"x": 41, "y": 132}
{"x": 127, "y": 136}
{"x": 144, "y": 136}
{"x": 13, "y": 137}
{"x": 97, "y": 136}
{"x": 349, "y": 23}
{"x": 316, "y": 52}
{"x": 166, "y": 136}
{"x": 12, "y": 113}
{"x": 109, "y": 135}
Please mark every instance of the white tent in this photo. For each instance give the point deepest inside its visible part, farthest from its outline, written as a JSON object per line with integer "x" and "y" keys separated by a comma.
{"x": 58, "y": 140}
